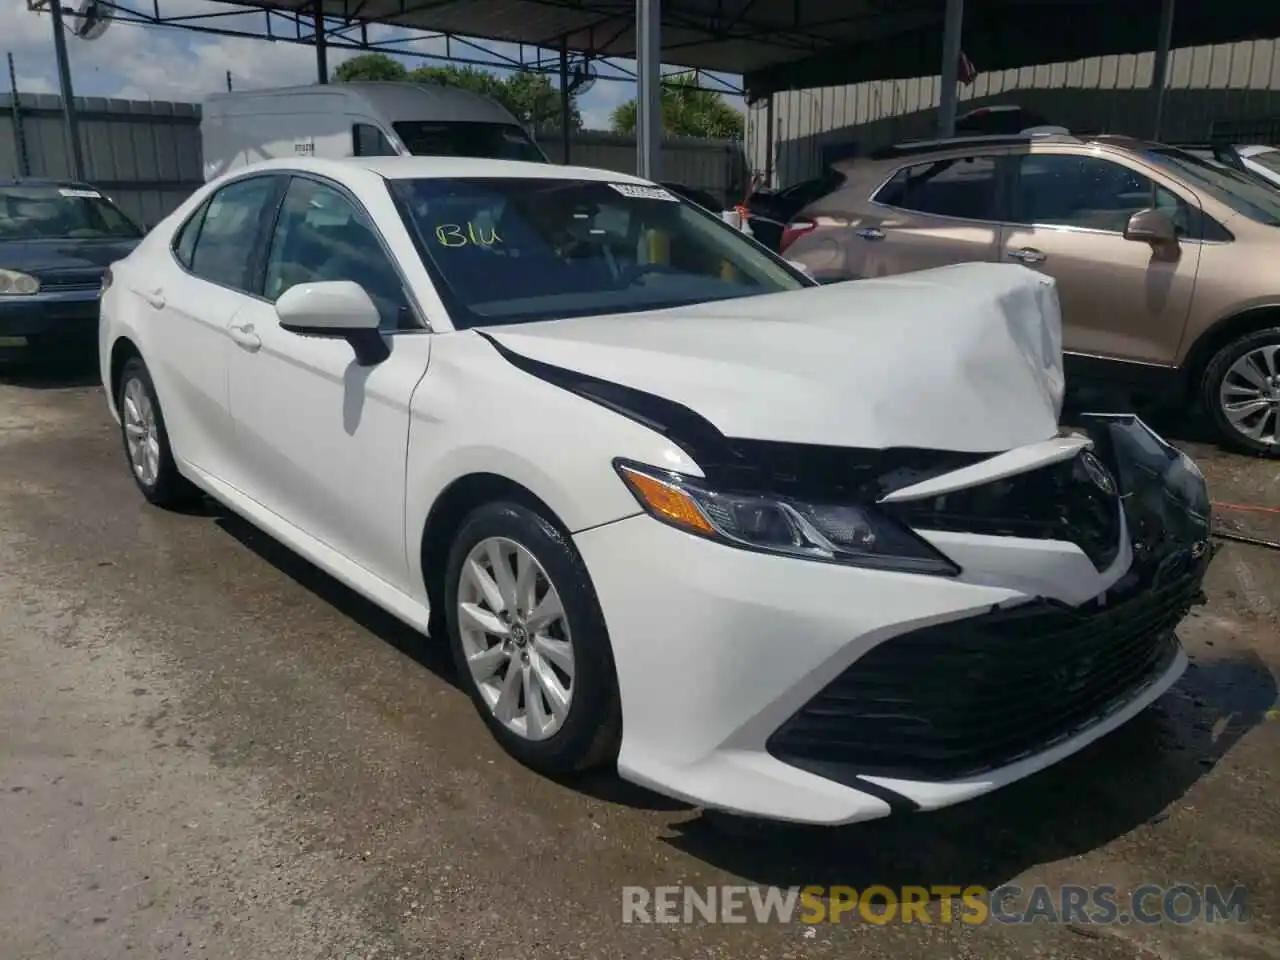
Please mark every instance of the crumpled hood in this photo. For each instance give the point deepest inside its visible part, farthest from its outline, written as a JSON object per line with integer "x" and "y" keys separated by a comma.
{"x": 965, "y": 358}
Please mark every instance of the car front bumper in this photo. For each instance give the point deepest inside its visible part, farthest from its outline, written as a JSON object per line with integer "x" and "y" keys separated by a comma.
{"x": 49, "y": 318}
{"x": 828, "y": 694}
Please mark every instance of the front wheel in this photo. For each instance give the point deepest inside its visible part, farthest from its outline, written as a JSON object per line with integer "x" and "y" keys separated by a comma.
{"x": 530, "y": 642}
{"x": 1241, "y": 393}
{"x": 146, "y": 442}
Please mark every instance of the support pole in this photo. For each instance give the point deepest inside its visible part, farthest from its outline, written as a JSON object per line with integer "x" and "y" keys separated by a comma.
{"x": 72, "y": 128}
{"x": 951, "y": 31}
{"x": 649, "y": 89}
{"x": 768, "y": 142}
{"x": 228, "y": 81}
{"x": 1160, "y": 69}
{"x": 19, "y": 135}
{"x": 566, "y": 129}
{"x": 322, "y": 44}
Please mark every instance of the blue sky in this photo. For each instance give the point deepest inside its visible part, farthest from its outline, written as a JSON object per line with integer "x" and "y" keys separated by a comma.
{"x": 155, "y": 63}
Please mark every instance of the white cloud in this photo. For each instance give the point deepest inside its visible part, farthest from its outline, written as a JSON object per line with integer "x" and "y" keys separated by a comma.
{"x": 598, "y": 103}
{"x": 36, "y": 85}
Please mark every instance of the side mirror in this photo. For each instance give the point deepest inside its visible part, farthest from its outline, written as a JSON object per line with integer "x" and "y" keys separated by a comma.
{"x": 337, "y": 309}
{"x": 1153, "y": 227}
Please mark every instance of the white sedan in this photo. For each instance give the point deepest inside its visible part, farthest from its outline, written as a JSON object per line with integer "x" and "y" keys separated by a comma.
{"x": 809, "y": 553}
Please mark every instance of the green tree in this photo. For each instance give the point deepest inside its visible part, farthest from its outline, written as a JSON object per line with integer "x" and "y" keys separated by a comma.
{"x": 370, "y": 66}
{"x": 531, "y": 97}
{"x": 687, "y": 111}
{"x": 536, "y": 102}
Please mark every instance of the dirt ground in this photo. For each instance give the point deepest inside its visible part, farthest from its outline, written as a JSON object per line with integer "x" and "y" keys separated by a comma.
{"x": 210, "y": 749}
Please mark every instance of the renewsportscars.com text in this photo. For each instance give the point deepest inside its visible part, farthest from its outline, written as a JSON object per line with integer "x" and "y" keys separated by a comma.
{"x": 940, "y": 904}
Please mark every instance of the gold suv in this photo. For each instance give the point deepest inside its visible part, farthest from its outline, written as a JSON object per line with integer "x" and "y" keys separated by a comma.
{"x": 1167, "y": 264}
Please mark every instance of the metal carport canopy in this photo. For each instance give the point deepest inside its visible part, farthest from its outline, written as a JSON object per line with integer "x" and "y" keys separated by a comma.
{"x": 787, "y": 44}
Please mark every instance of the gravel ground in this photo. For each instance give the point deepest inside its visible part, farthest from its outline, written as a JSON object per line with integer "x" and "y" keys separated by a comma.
{"x": 208, "y": 748}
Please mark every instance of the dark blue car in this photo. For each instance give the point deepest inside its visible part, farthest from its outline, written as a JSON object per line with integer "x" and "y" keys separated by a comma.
{"x": 56, "y": 241}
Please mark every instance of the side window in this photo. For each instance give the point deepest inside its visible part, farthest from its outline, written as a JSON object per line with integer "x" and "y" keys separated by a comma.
{"x": 368, "y": 141}
{"x": 232, "y": 219}
{"x": 962, "y": 187}
{"x": 321, "y": 235}
{"x": 185, "y": 244}
{"x": 1090, "y": 192}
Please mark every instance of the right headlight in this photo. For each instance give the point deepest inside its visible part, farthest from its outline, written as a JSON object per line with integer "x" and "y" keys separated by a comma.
{"x": 834, "y": 533}
{"x": 16, "y": 284}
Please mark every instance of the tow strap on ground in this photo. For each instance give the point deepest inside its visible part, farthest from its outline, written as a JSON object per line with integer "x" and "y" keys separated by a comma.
{"x": 1225, "y": 534}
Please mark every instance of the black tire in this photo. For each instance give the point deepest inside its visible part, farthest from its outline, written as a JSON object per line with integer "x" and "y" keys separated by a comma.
{"x": 592, "y": 730}
{"x": 170, "y": 488}
{"x": 1211, "y": 384}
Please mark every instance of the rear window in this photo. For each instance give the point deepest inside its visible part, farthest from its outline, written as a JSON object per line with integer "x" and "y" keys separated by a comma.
{"x": 61, "y": 213}
{"x": 961, "y": 187}
{"x": 468, "y": 138}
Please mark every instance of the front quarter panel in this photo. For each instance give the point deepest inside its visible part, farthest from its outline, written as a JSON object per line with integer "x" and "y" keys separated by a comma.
{"x": 476, "y": 413}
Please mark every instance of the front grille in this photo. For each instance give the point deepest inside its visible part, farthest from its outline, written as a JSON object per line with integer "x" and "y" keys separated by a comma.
{"x": 73, "y": 282}
{"x": 961, "y": 699}
{"x": 1062, "y": 501}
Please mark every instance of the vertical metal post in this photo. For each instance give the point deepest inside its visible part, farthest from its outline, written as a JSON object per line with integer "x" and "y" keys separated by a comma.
{"x": 768, "y": 142}
{"x": 228, "y": 81}
{"x": 649, "y": 89}
{"x": 1160, "y": 69}
{"x": 951, "y": 32}
{"x": 19, "y": 135}
{"x": 566, "y": 139}
{"x": 68, "y": 95}
{"x": 322, "y": 45}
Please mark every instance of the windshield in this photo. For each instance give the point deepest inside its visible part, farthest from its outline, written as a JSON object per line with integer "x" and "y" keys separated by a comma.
{"x": 468, "y": 138}
{"x": 1269, "y": 159}
{"x": 1239, "y": 191}
{"x": 521, "y": 250}
{"x": 61, "y": 213}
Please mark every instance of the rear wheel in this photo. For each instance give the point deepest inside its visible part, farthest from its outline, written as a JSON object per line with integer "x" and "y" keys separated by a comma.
{"x": 146, "y": 442}
{"x": 1241, "y": 393}
{"x": 529, "y": 640}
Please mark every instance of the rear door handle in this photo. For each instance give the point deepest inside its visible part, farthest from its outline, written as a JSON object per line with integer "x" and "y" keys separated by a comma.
{"x": 870, "y": 233}
{"x": 1027, "y": 255}
{"x": 242, "y": 333}
{"x": 155, "y": 297}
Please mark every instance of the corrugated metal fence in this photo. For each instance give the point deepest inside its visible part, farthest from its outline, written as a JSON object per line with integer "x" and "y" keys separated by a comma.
{"x": 1101, "y": 94}
{"x": 146, "y": 154}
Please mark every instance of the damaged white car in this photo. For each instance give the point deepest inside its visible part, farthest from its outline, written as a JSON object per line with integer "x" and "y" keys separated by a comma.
{"x": 809, "y": 553}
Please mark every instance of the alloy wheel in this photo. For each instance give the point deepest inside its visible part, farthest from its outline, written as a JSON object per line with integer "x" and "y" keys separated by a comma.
{"x": 515, "y": 638}
{"x": 1250, "y": 394}
{"x": 141, "y": 432}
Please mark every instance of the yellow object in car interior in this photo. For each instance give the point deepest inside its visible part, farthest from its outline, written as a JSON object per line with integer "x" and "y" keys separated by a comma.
{"x": 658, "y": 247}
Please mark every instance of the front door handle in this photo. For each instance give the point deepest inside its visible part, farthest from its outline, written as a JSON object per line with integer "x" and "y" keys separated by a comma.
{"x": 155, "y": 297}
{"x": 1027, "y": 255}
{"x": 242, "y": 333}
{"x": 870, "y": 233}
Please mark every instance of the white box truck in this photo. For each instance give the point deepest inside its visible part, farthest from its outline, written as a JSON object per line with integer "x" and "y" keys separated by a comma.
{"x": 358, "y": 119}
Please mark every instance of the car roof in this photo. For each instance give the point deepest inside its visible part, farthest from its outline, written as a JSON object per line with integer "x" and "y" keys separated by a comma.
{"x": 398, "y": 99}
{"x": 439, "y": 168}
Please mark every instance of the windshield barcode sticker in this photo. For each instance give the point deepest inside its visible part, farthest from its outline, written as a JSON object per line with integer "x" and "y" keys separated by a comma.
{"x": 85, "y": 194}
{"x": 638, "y": 192}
